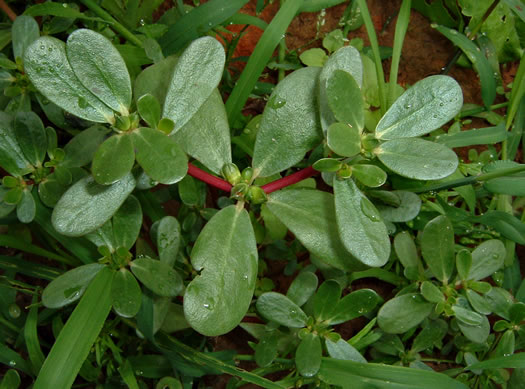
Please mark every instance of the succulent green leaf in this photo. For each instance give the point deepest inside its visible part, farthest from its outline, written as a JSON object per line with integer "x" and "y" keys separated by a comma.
{"x": 431, "y": 292}
{"x": 127, "y": 222}
{"x": 326, "y": 299}
{"x": 69, "y": 286}
{"x": 308, "y": 355}
{"x": 100, "y": 68}
{"x": 407, "y": 210}
{"x": 343, "y": 139}
{"x": 406, "y": 250}
{"x": 47, "y": 66}
{"x": 310, "y": 215}
{"x": 161, "y": 158}
{"x": 82, "y": 147}
{"x": 302, "y": 287}
{"x": 369, "y": 175}
{"x": 225, "y": 254}
{"x": 267, "y": 349}
{"x": 24, "y": 31}
{"x": 487, "y": 258}
{"x": 152, "y": 80}
{"x": 432, "y": 332}
{"x": 354, "y": 305}
{"x": 26, "y": 208}
{"x": 402, "y": 313}
{"x": 126, "y": 296}
{"x": 10, "y": 380}
{"x": 168, "y": 237}
{"x": 362, "y": 231}
{"x": 277, "y": 307}
{"x": 290, "y": 124}
{"x": 206, "y": 136}
{"x": 12, "y": 158}
{"x": 31, "y": 136}
{"x": 343, "y": 350}
{"x": 149, "y": 109}
{"x": 437, "y": 247}
{"x": 427, "y": 105}
{"x": 345, "y": 59}
{"x": 467, "y": 316}
{"x": 345, "y": 99}
{"x": 113, "y": 159}
{"x": 197, "y": 73}
{"x": 417, "y": 158}
{"x": 327, "y": 165}
{"x": 87, "y": 205}
{"x": 157, "y": 276}
{"x": 478, "y": 302}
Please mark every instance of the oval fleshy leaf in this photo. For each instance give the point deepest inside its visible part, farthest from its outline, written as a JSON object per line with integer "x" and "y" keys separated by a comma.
{"x": 197, "y": 73}
{"x": 308, "y": 355}
{"x": 24, "y": 31}
{"x": 161, "y": 158}
{"x": 362, "y": 231}
{"x": 206, "y": 136}
{"x": 437, "y": 247}
{"x": 12, "y": 158}
{"x": 345, "y": 99}
{"x": 225, "y": 253}
{"x": 487, "y": 258}
{"x": 310, "y": 215}
{"x": 113, "y": 159}
{"x": 127, "y": 222}
{"x": 167, "y": 236}
{"x": 149, "y": 109}
{"x": 302, "y": 287}
{"x": 369, "y": 175}
{"x": 157, "y": 276}
{"x": 417, "y": 158}
{"x": 87, "y": 205}
{"x": 46, "y": 64}
{"x": 26, "y": 208}
{"x": 31, "y": 136}
{"x": 427, "y": 105}
{"x": 353, "y": 305}
{"x": 344, "y": 139}
{"x": 100, "y": 68}
{"x": 325, "y": 299}
{"x": 82, "y": 147}
{"x": 343, "y": 350}
{"x": 69, "y": 286}
{"x": 290, "y": 125}
{"x": 407, "y": 210}
{"x": 126, "y": 296}
{"x": 277, "y": 307}
{"x": 402, "y": 313}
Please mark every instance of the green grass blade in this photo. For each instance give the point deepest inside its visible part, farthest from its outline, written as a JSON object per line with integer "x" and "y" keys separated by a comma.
{"x": 401, "y": 28}
{"x": 197, "y": 22}
{"x": 518, "y": 90}
{"x": 318, "y": 5}
{"x": 36, "y": 356}
{"x": 19, "y": 244}
{"x": 514, "y": 361}
{"x": 372, "y": 36}
{"x": 192, "y": 355}
{"x": 259, "y": 58}
{"x": 78, "y": 335}
{"x": 128, "y": 375}
{"x": 13, "y": 360}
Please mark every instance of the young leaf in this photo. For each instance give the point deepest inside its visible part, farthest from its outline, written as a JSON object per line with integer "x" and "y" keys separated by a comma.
{"x": 406, "y": 250}
{"x": 127, "y": 222}
{"x": 47, "y": 66}
{"x": 361, "y": 229}
{"x": 476, "y": 333}
{"x": 69, "y": 286}
{"x": 344, "y": 139}
{"x": 161, "y": 158}
{"x": 77, "y": 337}
{"x": 225, "y": 253}
{"x": 149, "y": 109}
{"x": 267, "y": 349}
{"x": 290, "y": 125}
{"x": 402, "y": 313}
{"x": 100, "y": 68}
{"x": 354, "y": 305}
{"x": 437, "y": 247}
{"x": 431, "y": 292}
{"x": 487, "y": 258}
{"x": 278, "y": 308}
{"x": 206, "y": 136}
{"x": 343, "y": 350}
{"x": 168, "y": 237}
{"x": 114, "y": 159}
{"x": 88, "y": 205}
{"x": 157, "y": 276}
{"x": 407, "y": 210}
{"x": 12, "y": 158}
{"x": 417, "y": 158}
{"x": 31, "y": 136}
{"x": 326, "y": 299}
{"x": 369, "y": 175}
{"x": 302, "y": 287}
{"x": 26, "y": 208}
{"x": 24, "y": 31}
{"x": 427, "y": 105}
{"x": 310, "y": 215}
{"x": 197, "y": 73}
{"x": 308, "y": 355}
{"x": 345, "y": 99}
{"x": 126, "y": 295}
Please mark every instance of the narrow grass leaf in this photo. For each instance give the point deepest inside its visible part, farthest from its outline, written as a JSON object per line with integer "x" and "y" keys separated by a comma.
{"x": 481, "y": 136}
{"x": 36, "y": 356}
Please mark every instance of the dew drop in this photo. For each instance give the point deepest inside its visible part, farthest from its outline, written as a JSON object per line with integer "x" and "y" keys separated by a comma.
{"x": 42, "y": 47}
{"x": 139, "y": 372}
{"x": 495, "y": 256}
{"x": 245, "y": 277}
{"x": 408, "y": 106}
{"x": 14, "y": 311}
{"x": 82, "y": 102}
{"x": 12, "y": 363}
{"x": 441, "y": 104}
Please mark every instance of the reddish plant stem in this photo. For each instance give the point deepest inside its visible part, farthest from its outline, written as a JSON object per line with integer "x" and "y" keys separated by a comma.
{"x": 290, "y": 180}
{"x": 209, "y": 179}
{"x": 9, "y": 12}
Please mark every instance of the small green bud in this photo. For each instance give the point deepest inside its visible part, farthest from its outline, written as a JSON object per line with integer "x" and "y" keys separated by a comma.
{"x": 123, "y": 123}
{"x": 369, "y": 142}
{"x": 239, "y": 190}
{"x": 13, "y": 196}
{"x": 10, "y": 182}
{"x": 332, "y": 336}
{"x": 166, "y": 125}
{"x": 134, "y": 120}
{"x": 256, "y": 195}
{"x": 247, "y": 175}
{"x": 231, "y": 173}
{"x": 345, "y": 172}
{"x": 303, "y": 332}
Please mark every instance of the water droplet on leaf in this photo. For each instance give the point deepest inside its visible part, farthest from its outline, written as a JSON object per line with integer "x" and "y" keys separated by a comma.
{"x": 369, "y": 210}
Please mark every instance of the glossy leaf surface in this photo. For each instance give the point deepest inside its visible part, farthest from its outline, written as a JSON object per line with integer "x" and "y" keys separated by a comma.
{"x": 168, "y": 237}
{"x": 88, "y": 205}
{"x": 302, "y": 287}
{"x": 402, "y": 313}
{"x": 46, "y": 64}
{"x": 437, "y": 247}
{"x": 12, "y": 158}
{"x": 127, "y": 222}
{"x": 25, "y": 31}
{"x": 280, "y": 309}
{"x": 487, "y": 258}
{"x": 353, "y": 305}
{"x": 157, "y": 276}
{"x": 100, "y": 68}
{"x": 308, "y": 355}
{"x": 417, "y": 158}
{"x": 114, "y": 159}
{"x": 407, "y": 210}
{"x": 290, "y": 125}
{"x": 126, "y": 296}
{"x": 362, "y": 231}
{"x": 369, "y": 175}
{"x": 343, "y": 350}
{"x": 427, "y": 105}
{"x": 31, "y": 136}
{"x": 345, "y": 99}
{"x": 343, "y": 139}
{"x": 225, "y": 254}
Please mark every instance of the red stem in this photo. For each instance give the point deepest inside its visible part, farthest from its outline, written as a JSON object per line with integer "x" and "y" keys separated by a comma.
{"x": 289, "y": 180}
{"x": 209, "y": 179}
{"x": 9, "y": 12}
